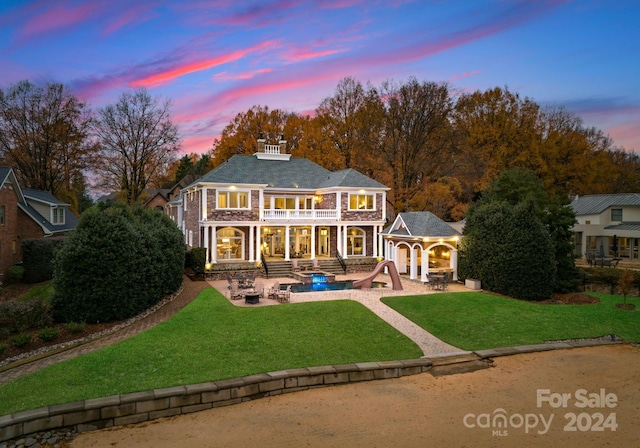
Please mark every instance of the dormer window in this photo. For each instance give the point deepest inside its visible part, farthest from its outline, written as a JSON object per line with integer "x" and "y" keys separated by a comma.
{"x": 57, "y": 216}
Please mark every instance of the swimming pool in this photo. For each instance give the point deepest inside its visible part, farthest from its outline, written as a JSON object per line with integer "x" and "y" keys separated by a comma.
{"x": 326, "y": 286}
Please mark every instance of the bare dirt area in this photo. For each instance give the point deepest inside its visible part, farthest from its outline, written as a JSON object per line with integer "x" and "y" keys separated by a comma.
{"x": 587, "y": 397}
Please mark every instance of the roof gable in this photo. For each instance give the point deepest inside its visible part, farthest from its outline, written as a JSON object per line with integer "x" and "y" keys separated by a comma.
{"x": 421, "y": 224}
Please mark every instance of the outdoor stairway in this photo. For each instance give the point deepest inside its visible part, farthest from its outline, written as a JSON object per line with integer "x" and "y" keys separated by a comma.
{"x": 285, "y": 269}
{"x": 278, "y": 269}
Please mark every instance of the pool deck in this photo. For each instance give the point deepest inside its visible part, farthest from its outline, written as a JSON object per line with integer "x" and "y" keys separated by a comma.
{"x": 429, "y": 344}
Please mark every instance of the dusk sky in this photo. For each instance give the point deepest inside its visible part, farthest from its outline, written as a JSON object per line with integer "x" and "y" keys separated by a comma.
{"x": 215, "y": 59}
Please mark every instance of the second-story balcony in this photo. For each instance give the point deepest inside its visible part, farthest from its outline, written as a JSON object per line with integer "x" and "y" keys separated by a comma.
{"x": 305, "y": 215}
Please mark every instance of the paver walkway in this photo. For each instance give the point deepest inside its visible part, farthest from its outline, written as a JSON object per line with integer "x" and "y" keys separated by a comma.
{"x": 429, "y": 344}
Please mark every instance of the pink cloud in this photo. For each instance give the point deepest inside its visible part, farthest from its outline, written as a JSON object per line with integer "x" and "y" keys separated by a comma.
{"x": 59, "y": 16}
{"x": 301, "y": 54}
{"x": 464, "y": 75}
{"x": 198, "y": 144}
{"x": 224, "y": 76}
{"x": 165, "y": 76}
{"x": 261, "y": 14}
{"x": 134, "y": 14}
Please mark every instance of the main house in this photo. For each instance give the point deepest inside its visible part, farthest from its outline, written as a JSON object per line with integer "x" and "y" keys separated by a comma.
{"x": 28, "y": 214}
{"x": 275, "y": 206}
{"x": 607, "y": 223}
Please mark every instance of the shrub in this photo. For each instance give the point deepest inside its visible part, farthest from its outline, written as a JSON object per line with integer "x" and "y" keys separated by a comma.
{"x": 21, "y": 340}
{"x": 20, "y": 316}
{"x": 37, "y": 258}
{"x": 196, "y": 258}
{"x": 119, "y": 261}
{"x": 48, "y": 334}
{"x": 3, "y": 347}
{"x": 16, "y": 272}
{"x": 509, "y": 250}
{"x": 75, "y": 327}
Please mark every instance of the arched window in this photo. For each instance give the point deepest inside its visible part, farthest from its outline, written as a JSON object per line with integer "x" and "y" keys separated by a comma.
{"x": 229, "y": 244}
{"x": 355, "y": 242}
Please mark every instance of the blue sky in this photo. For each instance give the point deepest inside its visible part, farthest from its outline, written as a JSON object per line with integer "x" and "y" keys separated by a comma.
{"x": 215, "y": 59}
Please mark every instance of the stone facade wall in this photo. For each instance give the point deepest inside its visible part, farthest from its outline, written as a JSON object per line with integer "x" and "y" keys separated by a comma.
{"x": 375, "y": 215}
{"x": 191, "y": 216}
{"x": 233, "y": 215}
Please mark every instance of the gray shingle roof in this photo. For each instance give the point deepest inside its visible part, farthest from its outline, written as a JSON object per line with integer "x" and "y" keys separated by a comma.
{"x": 598, "y": 203}
{"x": 424, "y": 224}
{"x": 294, "y": 173}
{"x": 42, "y": 196}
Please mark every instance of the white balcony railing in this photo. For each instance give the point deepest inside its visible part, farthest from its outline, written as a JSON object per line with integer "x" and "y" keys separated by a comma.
{"x": 286, "y": 215}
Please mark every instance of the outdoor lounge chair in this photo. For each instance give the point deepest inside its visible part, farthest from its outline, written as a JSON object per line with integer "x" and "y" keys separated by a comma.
{"x": 273, "y": 291}
{"x": 234, "y": 291}
{"x": 285, "y": 296}
{"x": 258, "y": 288}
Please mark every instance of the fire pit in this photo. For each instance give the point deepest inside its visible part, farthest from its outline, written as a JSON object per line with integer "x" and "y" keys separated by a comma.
{"x": 252, "y": 298}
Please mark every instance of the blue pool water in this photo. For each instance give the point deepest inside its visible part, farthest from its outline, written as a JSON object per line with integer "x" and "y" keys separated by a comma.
{"x": 327, "y": 286}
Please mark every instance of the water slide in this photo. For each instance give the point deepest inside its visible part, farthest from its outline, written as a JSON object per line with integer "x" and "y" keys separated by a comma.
{"x": 393, "y": 273}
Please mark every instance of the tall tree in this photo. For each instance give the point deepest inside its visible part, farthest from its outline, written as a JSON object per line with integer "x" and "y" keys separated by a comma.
{"x": 496, "y": 129}
{"x": 241, "y": 135}
{"x": 343, "y": 119}
{"x": 137, "y": 138}
{"x": 44, "y": 133}
{"x": 415, "y": 136}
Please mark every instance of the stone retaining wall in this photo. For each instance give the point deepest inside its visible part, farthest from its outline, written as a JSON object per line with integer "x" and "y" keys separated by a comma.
{"x": 139, "y": 407}
{"x": 127, "y": 409}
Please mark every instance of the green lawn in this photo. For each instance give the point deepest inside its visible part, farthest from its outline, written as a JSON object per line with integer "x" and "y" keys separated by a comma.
{"x": 475, "y": 320}
{"x": 211, "y": 339}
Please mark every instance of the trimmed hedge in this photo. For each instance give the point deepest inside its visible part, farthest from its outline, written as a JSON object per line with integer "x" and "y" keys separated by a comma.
{"x": 38, "y": 256}
{"x": 20, "y": 316}
{"x": 119, "y": 261}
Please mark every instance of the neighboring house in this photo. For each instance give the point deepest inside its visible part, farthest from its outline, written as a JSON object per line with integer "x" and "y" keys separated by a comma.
{"x": 156, "y": 198}
{"x": 283, "y": 207}
{"x": 420, "y": 242}
{"x": 27, "y": 214}
{"x": 609, "y": 223}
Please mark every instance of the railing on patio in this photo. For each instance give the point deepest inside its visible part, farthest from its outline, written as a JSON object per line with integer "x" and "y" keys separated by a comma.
{"x": 284, "y": 215}
{"x": 342, "y": 263}
{"x": 264, "y": 264}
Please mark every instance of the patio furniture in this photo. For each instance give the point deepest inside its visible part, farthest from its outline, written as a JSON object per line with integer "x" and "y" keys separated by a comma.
{"x": 294, "y": 266}
{"x": 273, "y": 291}
{"x": 284, "y": 296}
{"x": 258, "y": 288}
{"x": 252, "y": 298}
{"x": 234, "y": 291}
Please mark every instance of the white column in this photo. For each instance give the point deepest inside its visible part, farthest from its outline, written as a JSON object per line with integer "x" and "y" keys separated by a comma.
{"x": 374, "y": 250}
{"x": 453, "y": 262}
{"x": 251, "y": 244}
{"x": 313, "y": 241}
{"x": 425, "y": 265}
{"x": 214, "y": 245}
{"x": 258, "y": 242}
{"x": 413, "y": 269}
{"x": 380, "y": 242}
{"x": 286, "y": 243}
{"x": 344, "y": 243}
{"x": 207, "y": 256}
{"x": 204, "y": 203}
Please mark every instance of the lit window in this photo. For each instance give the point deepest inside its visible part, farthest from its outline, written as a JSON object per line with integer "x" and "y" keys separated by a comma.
{"x": 361, "y": 202}
{"x": 233, "y": 199}
{"x": 616, "y": 214}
